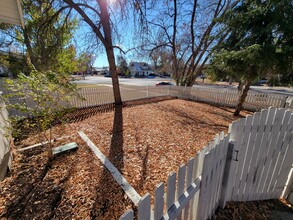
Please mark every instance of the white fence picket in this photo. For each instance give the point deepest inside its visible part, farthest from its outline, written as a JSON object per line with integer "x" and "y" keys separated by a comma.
{"x": 190, "y": 167}
{"x": 235, "y": 163}
{"x": 159, "y": 202}
{"x": 144, "y": 208}
{"x": 181, "y": 184}
{"x": 251, "y": 181}
{"x": 204, "y": 185}
{"x": 213, "y": 178}
{"x": 128, "y": 215}
{"x": 271, "y": 147}
{"x": 250, "y": 148}
{"x": 288, "y": 188}
{"x": 171, "y": 189}
{"x": 286, "y": 166}
{"x": 223, "y": 145}
{"x": 278, "y": 154}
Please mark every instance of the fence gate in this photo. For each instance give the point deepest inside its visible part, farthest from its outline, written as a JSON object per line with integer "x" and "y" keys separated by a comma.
{"x": 262, "y": 156}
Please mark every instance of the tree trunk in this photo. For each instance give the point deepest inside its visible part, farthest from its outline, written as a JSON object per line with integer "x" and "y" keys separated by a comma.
{"x": 114, "y": 74}
{"x": 242, "y": 98}
{"x": 106, "y": 40}
{"x": 105, "y": 20}
{"x": 30, "y": 56}
{"x": 240, "y": 86}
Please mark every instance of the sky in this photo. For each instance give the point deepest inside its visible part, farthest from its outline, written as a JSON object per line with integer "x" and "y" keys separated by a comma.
{"x": 125, "y": 29}
{"x": 125, "y": 40}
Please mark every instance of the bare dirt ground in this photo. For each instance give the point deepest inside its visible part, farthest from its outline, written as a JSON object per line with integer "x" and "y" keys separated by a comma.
{"x": 145, "y": 142}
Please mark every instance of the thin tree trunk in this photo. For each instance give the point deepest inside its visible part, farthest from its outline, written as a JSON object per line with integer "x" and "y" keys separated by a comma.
{"x": 242, "y": 98}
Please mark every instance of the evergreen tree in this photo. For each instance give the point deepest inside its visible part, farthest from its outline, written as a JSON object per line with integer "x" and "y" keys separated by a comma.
{"x": 259, "y": 41}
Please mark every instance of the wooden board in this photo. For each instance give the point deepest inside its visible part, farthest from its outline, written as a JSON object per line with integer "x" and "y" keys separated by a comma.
{"x": 63, "y": 148}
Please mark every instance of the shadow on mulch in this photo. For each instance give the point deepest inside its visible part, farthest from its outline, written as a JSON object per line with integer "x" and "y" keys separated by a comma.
{"x": 186, "y": 119}
{"x": 268, "y": 209}
{"x": 38, "y": 195}
{"x": 107, "y": 184}
{"x": 84, "y": 113}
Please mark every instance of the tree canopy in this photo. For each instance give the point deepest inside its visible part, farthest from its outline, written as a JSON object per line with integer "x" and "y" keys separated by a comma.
{"x": 256, "y": 28}
{"x": 259, "y": 42}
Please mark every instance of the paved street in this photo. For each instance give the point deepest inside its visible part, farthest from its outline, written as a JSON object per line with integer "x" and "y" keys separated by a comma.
{"x": 126, "y": 81}
{"x": 151, "y": 82}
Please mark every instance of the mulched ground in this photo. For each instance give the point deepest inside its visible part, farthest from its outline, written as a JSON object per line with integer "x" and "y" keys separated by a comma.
{"x": 145, "y": 142}
{"x": 269, "y": 209}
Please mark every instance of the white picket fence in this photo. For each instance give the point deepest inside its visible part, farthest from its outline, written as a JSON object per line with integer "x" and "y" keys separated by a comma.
{"x": 252, "y": 162}
{"x": 228, "y": 98}
{"x": 104, "y": 95}
{"x": 220, "y": 97}
{"x": 255, "y": 101}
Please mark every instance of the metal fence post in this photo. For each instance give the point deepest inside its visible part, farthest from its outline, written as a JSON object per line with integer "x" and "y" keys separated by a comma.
{"x": 147, "y": 91}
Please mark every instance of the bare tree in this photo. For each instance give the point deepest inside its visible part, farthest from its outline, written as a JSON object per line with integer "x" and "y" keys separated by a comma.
{"x": 99, "y": 20}
{"x": 187, "y": 29}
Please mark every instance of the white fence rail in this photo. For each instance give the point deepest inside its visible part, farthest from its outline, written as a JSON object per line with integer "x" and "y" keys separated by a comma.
{"x": 252, "y": 162}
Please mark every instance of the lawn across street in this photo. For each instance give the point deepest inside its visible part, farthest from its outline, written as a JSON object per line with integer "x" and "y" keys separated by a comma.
{"x": 144, "y": 142}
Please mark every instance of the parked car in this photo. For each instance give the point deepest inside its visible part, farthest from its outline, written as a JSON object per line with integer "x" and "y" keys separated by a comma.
{"x": 164, "y": 84}
{"x": 164, "y": 75}
{"x": 151, "y": 76}
{"x": 260, "y": 82}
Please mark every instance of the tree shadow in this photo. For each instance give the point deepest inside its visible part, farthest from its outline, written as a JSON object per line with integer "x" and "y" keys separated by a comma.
{"x": 144, "y": 157}
{"x": 116, "y": 149}
{"x": 187, "y": 119}
{"x": 106, "y": 206}
{"x": 38, "y": 195}
{"x": 80, "y": 114}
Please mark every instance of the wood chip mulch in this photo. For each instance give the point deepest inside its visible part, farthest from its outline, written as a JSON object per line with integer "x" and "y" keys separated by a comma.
{"x": 261, "y": 210}
{"x": 145, "y": 142}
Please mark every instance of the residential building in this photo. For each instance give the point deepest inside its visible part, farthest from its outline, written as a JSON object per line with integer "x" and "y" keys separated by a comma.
{"x": 140, "y": 69}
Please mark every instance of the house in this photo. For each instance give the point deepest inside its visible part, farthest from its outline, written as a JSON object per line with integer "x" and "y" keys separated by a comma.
{"x": 140, "y": 69}
{"x": 11, "y": 13}
{"x": 101, "y": 70}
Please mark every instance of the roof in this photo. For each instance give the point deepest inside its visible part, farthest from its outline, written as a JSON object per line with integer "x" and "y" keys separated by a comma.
{"x": 11, "y": 12}
{"x": 140, "y": 66}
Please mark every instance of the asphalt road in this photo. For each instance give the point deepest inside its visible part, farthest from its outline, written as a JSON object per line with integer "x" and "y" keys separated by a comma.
{"x": 126, "y": 81}
{"x": 151, "y": 82}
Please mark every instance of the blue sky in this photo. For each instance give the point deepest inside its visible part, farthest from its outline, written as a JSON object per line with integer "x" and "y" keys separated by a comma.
{"x": 125, "y": 40}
